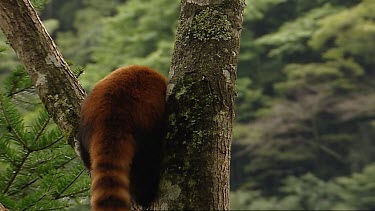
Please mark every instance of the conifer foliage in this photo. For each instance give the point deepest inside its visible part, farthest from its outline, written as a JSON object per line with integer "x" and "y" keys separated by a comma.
{"x": 38, "y": 168}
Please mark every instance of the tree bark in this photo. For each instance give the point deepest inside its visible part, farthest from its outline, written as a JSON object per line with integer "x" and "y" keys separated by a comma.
{"x": 55, "y": 84}
{"x": 200, "y": 106}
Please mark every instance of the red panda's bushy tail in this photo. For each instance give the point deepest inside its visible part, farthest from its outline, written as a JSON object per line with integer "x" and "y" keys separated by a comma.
{"x": 110, "y": 186}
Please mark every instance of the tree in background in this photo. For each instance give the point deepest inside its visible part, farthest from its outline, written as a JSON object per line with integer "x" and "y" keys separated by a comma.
{"x": 314, "y": 113}
{"x": 39, "y": 170}
{"x": 131, "y": 37}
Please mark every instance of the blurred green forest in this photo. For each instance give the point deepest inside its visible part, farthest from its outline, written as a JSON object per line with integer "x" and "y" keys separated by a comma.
{"x": 305, "y": 106}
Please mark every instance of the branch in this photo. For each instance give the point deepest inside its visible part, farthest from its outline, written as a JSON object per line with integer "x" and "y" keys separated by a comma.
{"x": 15, "y": 173}
{"x": 55, "y": 84}
{"x": 58, "y": 196}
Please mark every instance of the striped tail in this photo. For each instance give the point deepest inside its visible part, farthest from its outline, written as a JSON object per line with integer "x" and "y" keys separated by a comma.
{"x": 110, "y": 175}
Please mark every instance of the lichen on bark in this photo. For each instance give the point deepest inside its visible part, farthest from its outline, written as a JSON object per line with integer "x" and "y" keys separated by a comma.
{"x": 210, "y": 24}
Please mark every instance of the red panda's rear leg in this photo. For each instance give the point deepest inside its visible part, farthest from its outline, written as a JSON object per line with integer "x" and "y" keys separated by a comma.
{"x": 84, "y": 135}
{"x": 145, "y": 172}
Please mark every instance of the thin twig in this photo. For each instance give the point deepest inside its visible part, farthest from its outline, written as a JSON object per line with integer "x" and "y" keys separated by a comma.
{"x": 70, "y": 184}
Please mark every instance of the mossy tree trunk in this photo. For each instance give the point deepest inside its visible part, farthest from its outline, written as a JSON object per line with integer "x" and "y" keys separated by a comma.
{"x": 200, "y": 106}
{"x": 55, "y": 84}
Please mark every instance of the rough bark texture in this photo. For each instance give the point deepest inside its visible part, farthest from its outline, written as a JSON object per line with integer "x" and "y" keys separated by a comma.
{"x": 58, "y": 89}
{"x": 200, "y": 106}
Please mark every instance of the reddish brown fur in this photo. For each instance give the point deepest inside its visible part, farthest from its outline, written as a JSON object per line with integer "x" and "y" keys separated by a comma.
{"x": 120, "y": 132}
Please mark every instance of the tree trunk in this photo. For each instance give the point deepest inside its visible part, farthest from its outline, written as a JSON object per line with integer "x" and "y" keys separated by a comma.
{"x": 200, "y": 106}
{"x": 56, "y": 86}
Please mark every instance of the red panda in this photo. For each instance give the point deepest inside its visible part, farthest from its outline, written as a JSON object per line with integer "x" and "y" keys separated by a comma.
{"x": 121, "y": 127}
